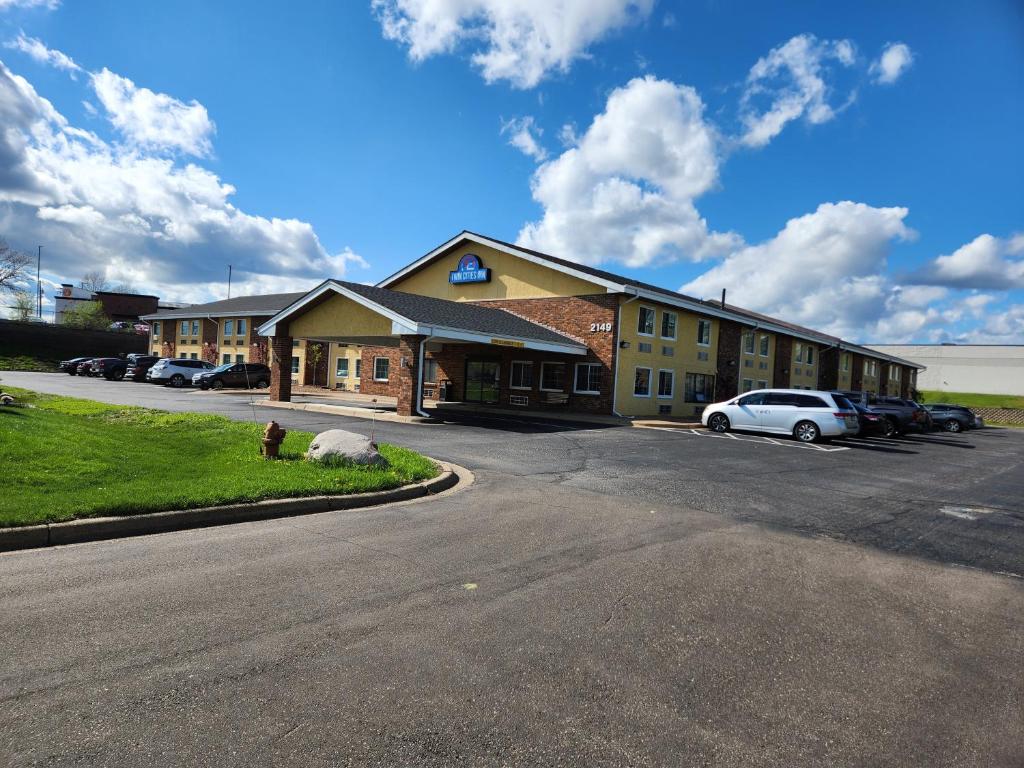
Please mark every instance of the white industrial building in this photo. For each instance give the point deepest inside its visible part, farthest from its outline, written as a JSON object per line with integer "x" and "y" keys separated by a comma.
{"x": 990, "y": 369}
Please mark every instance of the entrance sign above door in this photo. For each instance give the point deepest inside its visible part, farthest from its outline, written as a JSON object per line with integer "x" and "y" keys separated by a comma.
{"x": 470, "y": 270}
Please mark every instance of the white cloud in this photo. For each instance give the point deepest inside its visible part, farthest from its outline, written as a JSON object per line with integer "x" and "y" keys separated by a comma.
{"x": 986, "y": 262}
{"x": 49, "y": 5}
{"x": 523, "y": 134}
{"x": 896, "y": 59}
{"x": 624, "y": 192}
{"x": 37, "y": 50}
{"x": 823, "y": 270}
{"x": 520, "y": 41}
{"x": 153, "y": 121}
{"x": 143, "y": 218}
{"x": 791, "y": 78}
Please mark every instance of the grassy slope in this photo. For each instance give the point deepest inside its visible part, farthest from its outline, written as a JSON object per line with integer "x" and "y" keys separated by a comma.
{"x": 973, "y": 400}
{"x": 70, "y": 458}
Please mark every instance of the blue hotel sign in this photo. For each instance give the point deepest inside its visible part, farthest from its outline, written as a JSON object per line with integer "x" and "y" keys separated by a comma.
{"x": 470, "y": 270}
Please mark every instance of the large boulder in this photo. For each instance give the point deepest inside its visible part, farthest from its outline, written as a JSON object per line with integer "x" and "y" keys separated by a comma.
{"x": 337, "y": 446}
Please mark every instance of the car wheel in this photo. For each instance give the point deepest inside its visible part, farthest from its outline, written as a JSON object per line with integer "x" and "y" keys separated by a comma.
{"x": 217, "y": 384}
{"x": 718, "y": 422}
{"x": 806, "y": 432}
{"x": 952, "y": 425}
{"x": 177, "y": 380}
{"x": 889, "y": 428}
{"x": 118, "y": 375}
{"x": 262, "y": 384}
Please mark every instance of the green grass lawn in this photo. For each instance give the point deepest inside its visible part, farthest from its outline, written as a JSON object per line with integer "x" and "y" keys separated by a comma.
{"x": 973, "y": 400}
{"x": 66, "y": 458}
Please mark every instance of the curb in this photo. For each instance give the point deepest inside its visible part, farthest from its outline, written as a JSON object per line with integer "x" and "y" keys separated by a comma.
{"x": 98, "y": 528}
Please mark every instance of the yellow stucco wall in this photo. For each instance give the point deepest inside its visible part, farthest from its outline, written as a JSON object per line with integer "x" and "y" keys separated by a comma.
{"x": 684, "y": 359}
{"x": 754, "y": 366}
{"x": 802, "y": 375}
{"x": 511, "y": 278}
{"x": 350, "y": 352}
{"x": 339, "y": 316}
{"x": 845, "y": 376}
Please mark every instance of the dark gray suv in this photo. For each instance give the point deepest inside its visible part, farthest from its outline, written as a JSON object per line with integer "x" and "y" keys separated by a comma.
{"x": 953, "y": 418}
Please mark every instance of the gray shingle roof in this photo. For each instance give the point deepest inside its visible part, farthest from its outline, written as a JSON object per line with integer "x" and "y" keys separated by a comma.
{"x": 267, "y": 304}
{"x": 458, "y": 314}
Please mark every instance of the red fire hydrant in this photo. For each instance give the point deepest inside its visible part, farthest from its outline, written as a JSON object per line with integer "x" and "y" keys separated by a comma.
{"x": 273, "y": 436}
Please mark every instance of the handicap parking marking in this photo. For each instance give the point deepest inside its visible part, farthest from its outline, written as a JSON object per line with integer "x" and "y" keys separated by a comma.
{"x": 755, "y": 439}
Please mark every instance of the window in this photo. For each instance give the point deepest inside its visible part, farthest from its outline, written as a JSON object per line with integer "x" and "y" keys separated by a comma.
{"x": 229, "y": 328}
{"x": 799, "y": 353}
{"x": 642, "y": 382}
{"x": 156, "y": 328}
{"x": 226, "y": 358}
{"x": 762, "y": 384}
{"x": 668, "y": 351}
{"x": 184, "y": 327}
{"x": 239, "y": 358}
{"x": 341, "y": 368}
{"x": 522, "y": 374}
{"x": 666, "y": 383}
{"x": 241, "y": 327}
{"x": 704, "y": 332}
{"x": 295, "y": 365}
{"x": 668, "y": 325}
{"x": 765, "y": 341}
{"x": 194, "y": 356}
{"x": 762, "y": 365}
{"x": 645, "y": 322}
{"x": 748, "y": 384}
{"x": 748, "y": 363}
{"x": 760, "y": 398}
{"x": 846, "y": 363}
{"x": 359, "y": 367}
{"x": 430, "y": 370}
{"x": 380, "y": 368}
{"x": 748, "y": 343}
{"x": 295, "y": 343}
{"x": 699, "y": 388}
{"x": 644, "y": 347}
{"x": 702, "y": 355}
{"x": 588, "y": 378}
{"x": 810, "y": 401}
{"x": 552, "y": 377}
{"x": 195, "y": 327}
{"x": 810, "y": 355}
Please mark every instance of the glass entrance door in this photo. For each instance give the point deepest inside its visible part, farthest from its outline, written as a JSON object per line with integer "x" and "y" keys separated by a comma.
{"x": 482, "y": 381}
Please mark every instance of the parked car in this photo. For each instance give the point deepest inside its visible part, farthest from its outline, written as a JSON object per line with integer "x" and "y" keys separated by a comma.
{"x": 110, "y": 368}
{"x": 85, "y": 367}
{"x": 953, "y": 418}
{"x": 71, "y": 366}
{"x": 138, "y": 365}
{"x": 246, "y": 375}
{"x": 176, "y": 372}
{"x": 871, "y": 422}
{"x": 807, "y": 415}
{"x": 901, "y": 416}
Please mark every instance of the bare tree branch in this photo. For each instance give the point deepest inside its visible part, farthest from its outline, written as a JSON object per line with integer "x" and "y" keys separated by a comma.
{"x": 12, "y": 266}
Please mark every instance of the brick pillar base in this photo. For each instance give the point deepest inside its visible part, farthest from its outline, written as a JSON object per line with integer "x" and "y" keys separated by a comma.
{"x": 409, "y": 401}
{"x": 281, "y": 368}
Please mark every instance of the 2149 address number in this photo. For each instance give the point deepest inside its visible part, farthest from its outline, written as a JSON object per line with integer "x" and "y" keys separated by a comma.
{"x": 595, "y": 327}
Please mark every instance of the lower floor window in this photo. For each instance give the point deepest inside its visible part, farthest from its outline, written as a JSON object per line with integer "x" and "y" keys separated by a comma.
{"x": 748, "y": 385}
{"x": 380, "y": 368}
{"x": 699, "y": 387}
{"x": 521, "y": 376}
{"x": 762, "y": 384}
{"x": 295, "y": 365}
{"x": 552, "y": 377}
{"x": 359, "y": 367}
{"x": 642, "y": 382}
{"x": 226, "y": 358}
{"x": 430, "y": 370}
{"x": 588, "y": 378}
{"x": 195, "y": 356}
{"x": 666, "y": 383}
{"x": 341, "y": 368}
{"x": 239, "y": 358}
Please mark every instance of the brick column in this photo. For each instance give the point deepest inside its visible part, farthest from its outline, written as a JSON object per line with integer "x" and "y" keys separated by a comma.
{"x": 828, "y": 367}
{"x": 781, "y": 374}
{"x": 727, "y": 378}
{"x": 408, "y": 374}
{"x": 281, "y": 366}
{"x": 856, "y": 372}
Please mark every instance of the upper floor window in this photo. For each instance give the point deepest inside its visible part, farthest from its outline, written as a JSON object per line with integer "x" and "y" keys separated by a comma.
{"x": 184, "y": 327}
{"x": 748, "y": 343}
{"x": 668, "y": 325}
{"x": 645, "y": 322}
{"x": 195, "y": 327}
{"x": 846, "y": 363}
{"x": 229, "y": 328}
{"x": 764, "y": 345}
{"x": 241, "y": 326}
{"x": 799, "y": 353}
{"x": 810, "y": 355}
{"x": 704, "y": 332}
{"x": 156, "y": 327}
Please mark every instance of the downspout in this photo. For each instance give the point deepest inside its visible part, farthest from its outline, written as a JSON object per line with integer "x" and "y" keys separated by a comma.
{"x": 618, "y": 335}
{"x": 419, "y": 377}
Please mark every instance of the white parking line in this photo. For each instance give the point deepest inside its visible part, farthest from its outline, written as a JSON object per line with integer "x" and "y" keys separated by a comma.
{"x": 755, "y": 439}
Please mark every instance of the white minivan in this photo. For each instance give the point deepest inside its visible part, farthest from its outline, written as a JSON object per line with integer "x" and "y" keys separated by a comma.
{"x": 808, "y": 415}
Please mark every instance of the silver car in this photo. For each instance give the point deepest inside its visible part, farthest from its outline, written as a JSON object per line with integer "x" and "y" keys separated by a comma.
{"x": 808, "y": 415}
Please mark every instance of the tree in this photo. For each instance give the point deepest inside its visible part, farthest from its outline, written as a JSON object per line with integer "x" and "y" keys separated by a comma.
{"x": 88, "y": 314}
{"x": 315, "y": 356}
{"x": 12, "y": 266}
{"x": 94, "y": 281}
{"x": 24, "y": 306}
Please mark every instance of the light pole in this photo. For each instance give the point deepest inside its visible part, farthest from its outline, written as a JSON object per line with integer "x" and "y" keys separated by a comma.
{"x": 39, "y": 284}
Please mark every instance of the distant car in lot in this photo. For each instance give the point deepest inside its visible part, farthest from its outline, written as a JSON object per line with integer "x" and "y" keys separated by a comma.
{"x": 246, "y": 375}
{"x": 807, "y": 415}
{"x": 138, "y": 365}
{"x": 901, "y": 416}
{"x": 71, "y": 366}
{"x": 176, "y": 372}
{"x": 84, "y": 368}
{"x": 953, "y": 418}
{"x": 871, "y": 422}
{"x": 110, "y": 368}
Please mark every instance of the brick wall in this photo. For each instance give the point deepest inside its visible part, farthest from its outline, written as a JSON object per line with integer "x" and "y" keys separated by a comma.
{"x": 408, "y": 375}
{"x": 856, "y": 372}
{"x": 828, "y": 368}
{"x": 127, "y": 306}
{"x": 281, "y": 366}
{"x": 1001, "y": 415}
{"x": 367, "y": 385}
{"x": 727, "y": 379}
{"x": 783, "y": 362}
{"x": 208, "y": 341}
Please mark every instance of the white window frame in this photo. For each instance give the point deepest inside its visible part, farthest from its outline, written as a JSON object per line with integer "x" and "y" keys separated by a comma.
{"x": 744, "y": 388}
{"x": 846, "y": 362}
{"x": 650, "y": 380}
{"x": 156, "y": 328}
{"x": 798, "y": 353}
{"x": 540, "y": 383}
{"x": 701, "y": 325}
{"x": 654, "y": 320}
{"x": 762, "y": 384}
{"x": 240, "y": 327}
{"x": 195, "y": 328}
{"x": 675, "y": 324}
{"x": 810, "y": 354}
{"x": 239, "y": 359}
{"x": 296, "y": 364}
{"x": 184, "y": 328}
{"x": 575, "y": 378}
{"x": 672, "y": 384}
{"x": 764, "y": 343}
{"x": 427, "y": 361}
{"x": 749, "y": 336}
{"x": 511, "y": 373}
{"x": 225, "y": 359}
{"x": 359, "y": 368}
{"x": 229, "y": 328}
{"x": 341, "y": 371}
{"x": 377, "y": 378}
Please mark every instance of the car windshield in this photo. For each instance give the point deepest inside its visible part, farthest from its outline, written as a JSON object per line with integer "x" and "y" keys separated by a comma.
{"x": 221, "y": 368}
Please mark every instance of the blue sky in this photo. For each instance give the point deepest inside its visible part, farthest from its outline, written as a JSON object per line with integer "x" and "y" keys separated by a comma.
{"x": 760, "y": 147}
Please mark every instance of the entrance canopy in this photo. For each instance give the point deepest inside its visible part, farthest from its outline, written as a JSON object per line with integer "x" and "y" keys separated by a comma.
{"x": 363, "y": 314}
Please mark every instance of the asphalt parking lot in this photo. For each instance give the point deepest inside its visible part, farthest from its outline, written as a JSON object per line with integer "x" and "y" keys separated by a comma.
{"x": 599, "y": 596}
